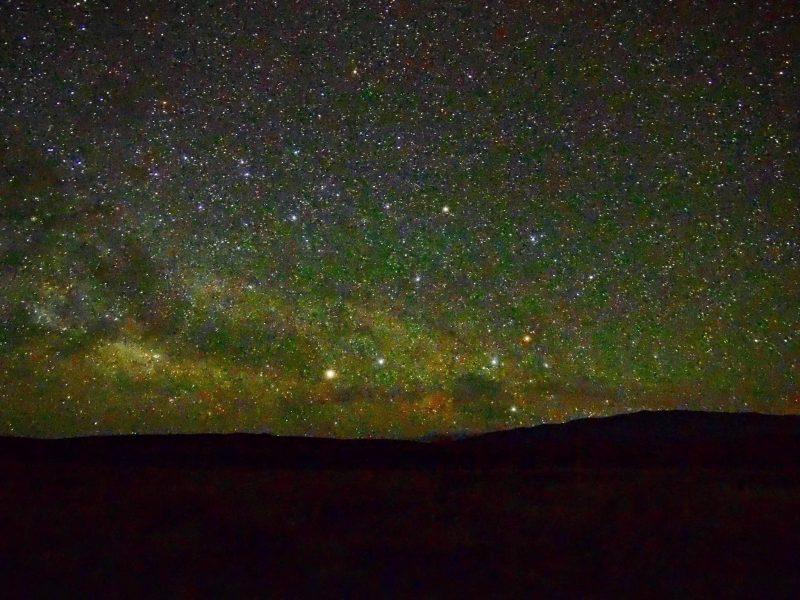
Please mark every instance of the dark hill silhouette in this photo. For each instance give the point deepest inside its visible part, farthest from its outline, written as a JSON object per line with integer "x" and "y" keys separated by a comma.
{"x": 652, "y": 438}
{"x": 647, "y": 438}
{"x": 650, "y": 503}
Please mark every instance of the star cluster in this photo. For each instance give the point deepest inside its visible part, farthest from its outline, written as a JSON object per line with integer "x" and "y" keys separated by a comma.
{"x": 395, "y": 218}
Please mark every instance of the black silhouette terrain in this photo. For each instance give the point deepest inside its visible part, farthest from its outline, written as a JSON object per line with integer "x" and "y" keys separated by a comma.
{"x": 673, "y": 503}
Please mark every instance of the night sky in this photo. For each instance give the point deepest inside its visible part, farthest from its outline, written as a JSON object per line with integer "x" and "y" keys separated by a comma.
{"x": 395, "y": 218}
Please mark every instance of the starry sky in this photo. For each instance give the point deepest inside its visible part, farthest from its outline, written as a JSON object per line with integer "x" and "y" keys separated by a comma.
{"x": 395, "y": 218}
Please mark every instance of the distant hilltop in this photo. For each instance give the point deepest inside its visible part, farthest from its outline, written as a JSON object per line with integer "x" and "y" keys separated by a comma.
{"x": 641, "y": 439}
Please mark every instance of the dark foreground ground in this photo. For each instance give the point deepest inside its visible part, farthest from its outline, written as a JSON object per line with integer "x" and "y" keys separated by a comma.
{"x": 654, "y": 504}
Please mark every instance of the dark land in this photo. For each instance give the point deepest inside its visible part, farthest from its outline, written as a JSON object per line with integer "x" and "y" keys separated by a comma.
{"x": 652, "y": 503}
